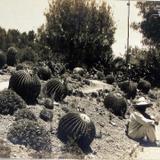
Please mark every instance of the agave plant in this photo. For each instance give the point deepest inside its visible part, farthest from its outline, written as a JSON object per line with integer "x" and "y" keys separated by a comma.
{"x": 55, "y": 89}
{"x": 27, "y": 85}
{"x": 115, "y": 104}
{"x": 78, "y": 128}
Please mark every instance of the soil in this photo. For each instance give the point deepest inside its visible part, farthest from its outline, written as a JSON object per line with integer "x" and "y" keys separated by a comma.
{"x": 111, "y": 142}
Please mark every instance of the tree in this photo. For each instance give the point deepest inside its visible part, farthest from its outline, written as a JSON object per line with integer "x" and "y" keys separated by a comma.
{"x": 80, "y": 31}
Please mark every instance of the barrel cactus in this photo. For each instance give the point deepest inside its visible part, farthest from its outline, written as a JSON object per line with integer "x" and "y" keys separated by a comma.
{"x": 76, "y": 127}
{"x": 44, "y": 73}
{"x": 144, "y": 86}
{"x": 10, "y": 102}
{"x": 11, "y": 56}
{"x": 110, "y": 79}
{"x": 28, "y": 86}
{"x": 115, "y": 104}
{"x": 128, "y": 87}
{"x": 55, "y": 89}
{"x": 2, "y": 59}
{"x": 31, "y": 134}
{"x": 25, "y": 114}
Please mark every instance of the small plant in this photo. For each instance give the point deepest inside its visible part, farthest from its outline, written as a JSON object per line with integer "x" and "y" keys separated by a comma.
{"x": 115, "y": 104}
{"x": 11, "y": 56}
{"x": 30, "y": 133}
{"x": 10, "y": 102}
{"x": 28, "y": 86}
{"x": 55, "y": 89}
{"x": 25, "y": 114}
{"x": 144, "y": 86}
{"x": 76, "y": 128}
{"x": 44, "y": 73}
{"x": 2, "y": 59}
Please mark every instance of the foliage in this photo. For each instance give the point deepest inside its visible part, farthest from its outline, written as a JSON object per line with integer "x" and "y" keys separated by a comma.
{"x": 25, "y": 114}
{"x": 80, "y": 31}
{"x": 30, "y": 133}
{"x": 28, "y": 86}
{"x": 76, "y": 128}
{"x": 10, "y": 102}
{"x": 144, "y": 86}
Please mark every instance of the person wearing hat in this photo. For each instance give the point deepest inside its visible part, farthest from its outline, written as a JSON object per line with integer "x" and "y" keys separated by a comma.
{"x": 142, "y": 125}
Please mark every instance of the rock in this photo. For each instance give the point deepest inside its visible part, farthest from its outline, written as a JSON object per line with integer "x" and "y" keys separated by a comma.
{"x": 78, "y": 70}
{"x": 5, "y": 150}
{"x": 46, "y": 115}
{"x": 48, "y": 103}
{"x": 94, "y": 94}
{"x": 86, "y": 81}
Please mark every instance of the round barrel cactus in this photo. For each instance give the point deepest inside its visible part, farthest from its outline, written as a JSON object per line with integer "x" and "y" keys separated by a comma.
{"x": 11, "y": 56}
{"x": 78, "y": 128}
{"x": 10, "y": 102}
{"x": 115, "y": 104}
{"x": 2, "y": 59}
{"x": 110, "y": 79}
{"x": 144, "y": 86}
{"x": 44, "y": 73}
{"x": 28, "y": 86}
{"x": 128, "y": 87}
{"x": 55, "y": 89}
{"x": 31, "y": 134}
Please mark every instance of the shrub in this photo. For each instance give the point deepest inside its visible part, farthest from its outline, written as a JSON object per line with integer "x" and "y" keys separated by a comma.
{"x": 2, "y": 59}
{"x": 26, "y": 85}
{"x": 76, "y": 127}
{"x": 55, "y": 89}
{"x": 11, "y": 56}
{"x": 29, "y": 133}
{"x": 129, "y": 87}
{"x": 144, "y": 86}
{"x": 44, "y": 73}
{"x": 10, "y": 102}
{"x": 115, "y": 104}
{"x": 25, "y": 114}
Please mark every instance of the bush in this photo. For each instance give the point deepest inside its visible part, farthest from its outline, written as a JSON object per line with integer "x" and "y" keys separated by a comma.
{"x": 25, "y": 114}
{"x": 44, "y": 73}
{"x": 115, "y": 104}
{"x": 144, "y": 86}
{"x": 76, "y": 128}
{"x": 55, "y": 89}
{"x": 29, "y": 133}
{"x": 26, "y": 85}
{"x": 80, "y": 31}
{"x": 10, "y": 102}
{"x": 11, "y": 56}
{"x": 2, "y": 59}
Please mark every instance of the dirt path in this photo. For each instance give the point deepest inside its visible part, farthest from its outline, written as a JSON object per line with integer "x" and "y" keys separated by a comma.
{"x": 4, "y": 82}
{"x": 150, "y": 153}
{"x": 96, "y": 85}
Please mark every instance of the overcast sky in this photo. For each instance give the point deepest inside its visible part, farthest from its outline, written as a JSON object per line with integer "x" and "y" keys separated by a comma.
{"x": 26, "y": 15}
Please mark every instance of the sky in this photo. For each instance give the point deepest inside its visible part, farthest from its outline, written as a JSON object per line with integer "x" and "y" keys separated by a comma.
{"x": 26, "y": 15}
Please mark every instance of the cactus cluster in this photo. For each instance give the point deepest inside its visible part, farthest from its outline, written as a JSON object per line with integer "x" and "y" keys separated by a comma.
{"x": 144, "y": 86}
{"x": 55, "y": 89}
{"x": 129, "y": 87}
{"x": 44, "y": 73}
{"x": 28, "y": 86}
{"x": 25, "y": 114}
{"x": 115, "y": 104}
{"x": 2, "y": 59}
{"x": 11, "y": 56}
{"x": 31, "y": 134}
{"x": 77, "y": 128}
{"x": 10, "y": 102}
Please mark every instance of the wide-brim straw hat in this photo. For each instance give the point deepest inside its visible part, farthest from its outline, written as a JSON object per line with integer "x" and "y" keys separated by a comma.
{"x": 142, "y": 102}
